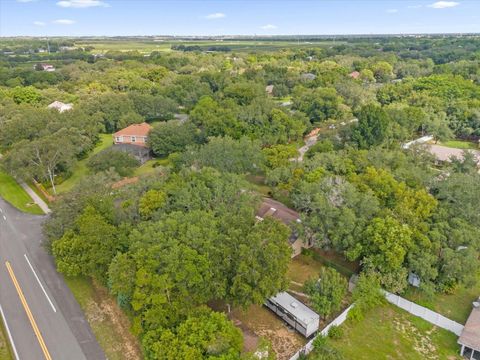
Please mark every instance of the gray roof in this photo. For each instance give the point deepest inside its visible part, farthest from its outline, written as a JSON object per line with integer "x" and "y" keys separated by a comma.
{"x": 302, "y": 312}
{"x": 444, "y": 153}
{"x": 470, "y": 335}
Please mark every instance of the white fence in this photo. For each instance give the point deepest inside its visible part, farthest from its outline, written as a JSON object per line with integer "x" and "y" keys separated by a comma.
{"x": 424, "y": 313}
{"x": 309, "y": 346}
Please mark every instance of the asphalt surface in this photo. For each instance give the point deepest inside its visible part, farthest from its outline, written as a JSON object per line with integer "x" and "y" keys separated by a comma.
{"x": 32, "y": 291}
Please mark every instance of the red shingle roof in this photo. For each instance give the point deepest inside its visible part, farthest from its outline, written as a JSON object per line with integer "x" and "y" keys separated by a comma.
{"x": 354, "y": 74}
{"x": 135, "y": 130}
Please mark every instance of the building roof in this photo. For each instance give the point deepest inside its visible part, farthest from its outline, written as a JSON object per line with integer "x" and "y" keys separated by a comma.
{"x": 135, "y": 130}
{"x": 302, "y": 312}
{"x": 308, "y": 76}
{"x": 470, "y": 335}
{"x": 354, "y": 74}
{"x": 60, "y": 106}
{"x": 444, "y": 153}
{"x": 277, "y": 210}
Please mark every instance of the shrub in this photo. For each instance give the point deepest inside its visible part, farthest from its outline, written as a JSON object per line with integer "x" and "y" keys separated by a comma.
{"x": 124, "y": 164}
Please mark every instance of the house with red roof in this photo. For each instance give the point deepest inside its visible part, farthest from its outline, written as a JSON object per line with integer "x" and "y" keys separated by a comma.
{"x": 354, "y": 74}
{"x": 135, "y": 134}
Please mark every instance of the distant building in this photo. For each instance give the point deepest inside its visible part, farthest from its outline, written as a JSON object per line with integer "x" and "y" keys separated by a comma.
{"x": 422, "y": 140}
{"x": 470, "y": 337}
{"x": 136, "y": 134}
{"x": 354, "y": 75}
{"x": 308, "y": 76}
{"x": 445, "y": 154}
{"x": 44, "y": 67}
{"x": 60, "y": 106}
{"x": 269, "y": 89}
{"x": 277, "y": 210}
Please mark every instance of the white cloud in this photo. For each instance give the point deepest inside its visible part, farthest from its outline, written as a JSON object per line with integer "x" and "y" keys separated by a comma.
{"x": 80, "y": 4}
{"x": 64, "y": 22}
{"x": 214, "y": 16}
{"x": 392, "y": 11}
{"x": 444, "y": 4}
{"x": 268, "y": 27}
{"x": 39, "y": 23}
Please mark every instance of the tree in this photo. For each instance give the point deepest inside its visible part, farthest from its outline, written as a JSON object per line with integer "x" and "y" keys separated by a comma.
{"x": 385, "y": 245}
{"x": 203, "y": 335}
{"x": 41, "y": 158}
{"x": 172, "y": 136}
{"x": 319, "y": 104}
{"x": 123, "y": 163}
{"x": 87, "y": 249}
{"x": 326, "y": 292}
{"x": 371, "y": 128}
{"x": 367, "y": 295}
{"x": 226, "y": 154}
{"x": 27, "y": 94}
{"x": 382, "y": 71}
{"x": 150, "y": 202}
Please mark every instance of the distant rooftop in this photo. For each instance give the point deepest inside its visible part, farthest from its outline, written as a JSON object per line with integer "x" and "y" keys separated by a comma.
{"x": 302, "y": 312}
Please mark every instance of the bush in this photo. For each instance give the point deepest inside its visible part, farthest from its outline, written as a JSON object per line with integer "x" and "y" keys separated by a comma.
{"x": 124, "y": 164}
{"x": 335, "y": 332}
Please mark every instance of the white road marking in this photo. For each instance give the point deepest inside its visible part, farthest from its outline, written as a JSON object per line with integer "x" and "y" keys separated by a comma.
{"x": 1, "y": 210}
{"x": 4, "y": 218}
{"x": 40, "y": 283}
{"x": 9, "y": 334}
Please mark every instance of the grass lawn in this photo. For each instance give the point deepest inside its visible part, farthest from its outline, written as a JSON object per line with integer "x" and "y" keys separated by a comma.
{"x": 4, "y": 348}
{"x": 12, "y": 192}
{"x": 149, "y": 166}
{"x": 459, "y": 144}
{"x": 303, "y": 267}
{"x": 391, "y": 333}
{"x": 81, "y": 167}
{"x": 456, "y": 306}
{"x": 109, "y": 324}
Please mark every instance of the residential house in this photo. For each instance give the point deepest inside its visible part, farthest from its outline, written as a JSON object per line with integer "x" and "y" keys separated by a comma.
{"x": 133, "y": 140}
{"x": 470, "y": 337}
{"x": 445, "y": 154}
{"x": 277, "y": 210}
{"x": 135, "y": 134}
{"x": 308, "y": 76}
{"x": 354, "y": 75}
{"x": 60, "y": 106}
{"x": 269, "y": 90}
{"x": 44, "y": 67}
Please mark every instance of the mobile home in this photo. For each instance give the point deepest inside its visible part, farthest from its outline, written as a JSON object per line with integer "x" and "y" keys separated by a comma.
{"x": 295, "y": 313}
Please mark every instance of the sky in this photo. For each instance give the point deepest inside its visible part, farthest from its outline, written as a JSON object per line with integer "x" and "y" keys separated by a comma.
{"x": 228, "y": 17}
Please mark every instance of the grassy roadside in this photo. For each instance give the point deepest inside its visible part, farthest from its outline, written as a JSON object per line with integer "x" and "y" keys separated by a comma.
{"x": 5, "y": 353}
{"x": 109, "y": 324}
{"x": 81, "y": 167}
{"x": 459, "y": 144}
{"x": 12, "y": 192}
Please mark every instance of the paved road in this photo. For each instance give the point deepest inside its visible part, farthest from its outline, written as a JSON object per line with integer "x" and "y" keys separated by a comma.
{"x": 42, "y": 316}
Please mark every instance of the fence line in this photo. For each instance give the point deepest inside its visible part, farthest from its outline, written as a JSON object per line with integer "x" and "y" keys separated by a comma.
{"x": 309, "y": 346}
{"x": 424, "y": 313}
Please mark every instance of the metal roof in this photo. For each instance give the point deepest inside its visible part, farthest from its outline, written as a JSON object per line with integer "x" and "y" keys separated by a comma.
{"x": 299, "y": 310}
{"x": 470, "y": 335}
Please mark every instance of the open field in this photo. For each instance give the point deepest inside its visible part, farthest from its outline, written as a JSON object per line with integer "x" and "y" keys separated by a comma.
{"x": 109, "y": 324}
{"x": 147, "y": 46}
{"x": 4, "y": 348}
{"x": 81, "y": 167}
{"x": 12, "y": 192}
{"x": 395, "y": 334}
{"x": 456, "y": 306}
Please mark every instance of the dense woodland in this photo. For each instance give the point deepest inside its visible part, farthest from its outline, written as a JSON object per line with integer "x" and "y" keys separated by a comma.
{"x": 186, "y": 235}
